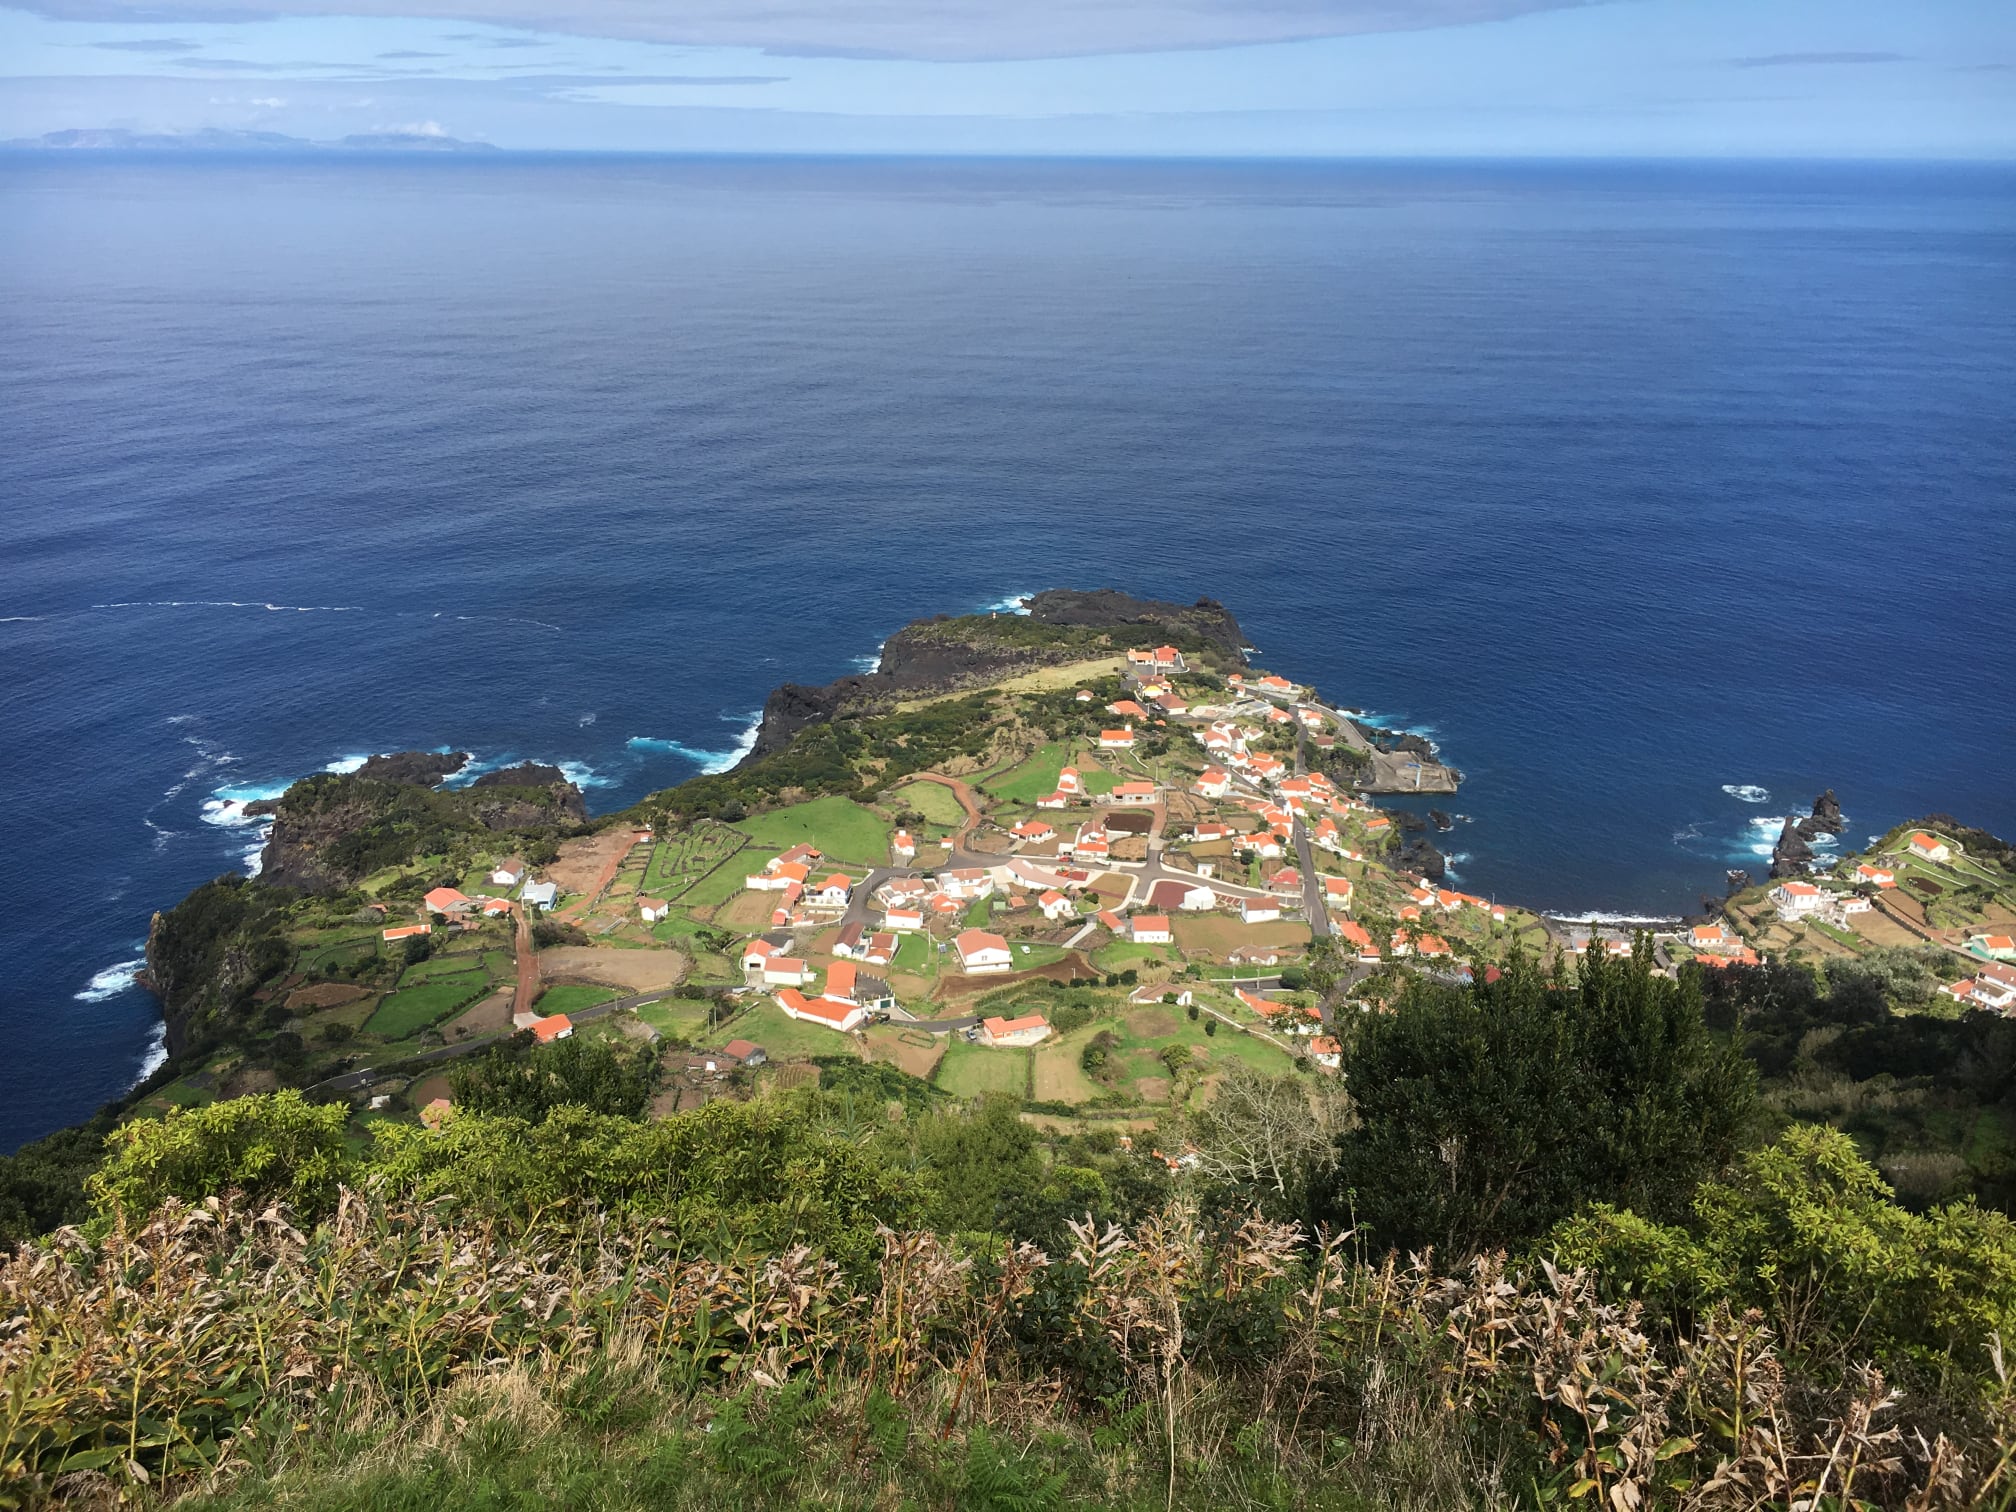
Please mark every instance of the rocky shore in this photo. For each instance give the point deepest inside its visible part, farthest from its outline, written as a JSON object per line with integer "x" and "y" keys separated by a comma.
{"x": 944, "y": 654}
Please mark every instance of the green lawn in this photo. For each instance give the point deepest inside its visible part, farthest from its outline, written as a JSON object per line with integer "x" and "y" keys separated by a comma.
{"x": 1100, "y": 784}
{"x": 1033, "y": 954}
{"x": 840, "y": 828}
{"x": 572, "y": 998}
{"x": 722, "y": 885}
{"x": 915, "y": 955}
{"x": 1033, "y": 778}
{"x": 969, "y": 1070}
{"x": 979, "y": 913}
{"x": 935, "y": 802}
{"x": 413, "y": 1009}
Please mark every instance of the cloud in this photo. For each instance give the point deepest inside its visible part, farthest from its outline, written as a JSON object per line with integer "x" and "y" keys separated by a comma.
{"x": 407, "y": 52}
{"x": 150, "y": 45}
{"x": 1806, "y": 59}
{"x": 933, "y": 29}
{"x": 413, "y": 128}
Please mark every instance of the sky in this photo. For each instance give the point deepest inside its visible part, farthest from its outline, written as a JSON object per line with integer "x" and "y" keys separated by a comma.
{"x": 1552, "y": 78}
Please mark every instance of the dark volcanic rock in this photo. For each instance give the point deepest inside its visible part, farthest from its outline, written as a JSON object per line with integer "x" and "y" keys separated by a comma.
{"x": 923, "y": 658}
{"x": 1207, "y": 618}
{"x": 525, "y": 774}
{"x": 1790, "y": 855}
{"x": 1826, "y": 818}
{"x": 1440, "y": 820}
{"x": 426, "y": 768}
{"x": 1738, "y": 880}
{"x": 1421, "y": 856}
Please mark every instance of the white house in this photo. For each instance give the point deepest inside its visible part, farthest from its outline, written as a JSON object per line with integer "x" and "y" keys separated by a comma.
{"x": 1258, "y": 910}
{"x": 831, "y": 893}
{"x": 1797, "y": 899}
{"x": 651, "y": 910}
{"x": 1150, "y": 929}
{"x": 1070, "y": 782}
{"x": 1057, "y": 800}
{"x": 980, "y": 951}
{"x": 755, "y": 953}
{"x": 1326, "y": 1051}
{"x": 785, "y": 971}
{"x": 902, "y": 846}
{"x": 1034, "y": 831}
{"x": 902, "y": 920}
{"x": 1019, "y": 1031}
{"x": 777, "y": 876}
{"x": 1930, "y": 847}
{"x": 508, "y": 873}
{"x": 1117, "y": 740}
{"x": 1056, "y": 907}
{"x": 1213, "y": 782}
{"x": 1337, "y": 892}
{"x": 825, "y": 1012}
{"x": 967, "y": 882}
{"x": 540, "y": 894}
{"x": 1134, "y": 793}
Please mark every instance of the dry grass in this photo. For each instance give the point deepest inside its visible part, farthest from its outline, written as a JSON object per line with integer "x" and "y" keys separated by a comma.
{"x": 633, "y": 970}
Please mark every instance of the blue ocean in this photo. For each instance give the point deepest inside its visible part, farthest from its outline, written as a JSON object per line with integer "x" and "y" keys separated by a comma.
{"x": 1661, "y": 497}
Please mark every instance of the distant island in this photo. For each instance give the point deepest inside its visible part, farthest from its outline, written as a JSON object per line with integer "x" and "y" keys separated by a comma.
{"x": 215, "y": 139}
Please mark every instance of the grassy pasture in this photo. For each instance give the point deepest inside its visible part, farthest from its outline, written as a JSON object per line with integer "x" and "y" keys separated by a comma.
{"x": 839, "y": 827}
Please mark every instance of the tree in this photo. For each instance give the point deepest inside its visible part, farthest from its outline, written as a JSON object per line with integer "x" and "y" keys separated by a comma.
{"x": 276, "y": 1145}
{"x": 1487, "y": 1114}
{"x": 417, "y": 948}
{"x": 1262, "y": 1137}
{"x": 519, "y": 1080}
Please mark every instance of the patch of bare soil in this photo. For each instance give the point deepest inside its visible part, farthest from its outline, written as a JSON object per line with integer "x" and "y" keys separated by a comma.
{"x": 427, "y": 1089}
{"x": 1152, "y": 1088}
{"x": 1152, "y": 1023}
{"x": 636, "y": 970}
{"x": 323, "y": 995}
{"x": 491, "y": 1016}
{"x": 583, "y": 860}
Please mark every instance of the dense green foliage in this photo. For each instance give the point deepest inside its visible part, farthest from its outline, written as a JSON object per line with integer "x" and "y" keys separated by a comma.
{"x": 1931, "y": 1098}
{"x": 279, "y": 1146}
{"x": 522, "y": 1079}
{"x": 1486, "y": 1115}
{"x": 209, "y": 953}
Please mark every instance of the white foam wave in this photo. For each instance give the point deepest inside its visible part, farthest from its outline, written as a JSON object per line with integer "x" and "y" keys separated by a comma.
{"x": 234, "y": 604}
{"x": 1746, "y": 792}
{"x": 870, "y": 665}
{"x": 155, "y": 1056}
{"x": 583, "y": 775}
{"x": 493, "y": 619}
{"x": 112, "y": 981}
{"x": 585, "y": 720}
{"x": 1014, "y": 603}
{"x": 226, "y": 806}
{"x": 1771, "y": 822}
{"x": 1823, "y": 838}
{"x": 710, "y": 762}
{"x": 1620, "y": 920}
{"x": 1450, "y": 863}
{"x": 1691, "y": 832}
{"x": 21, "y": 619}
{"x": 345, "y": 765}
{"x": 162, "y": 834}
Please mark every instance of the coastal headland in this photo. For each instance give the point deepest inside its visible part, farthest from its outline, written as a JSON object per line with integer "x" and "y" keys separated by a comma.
{"x": 1098, "y": 796}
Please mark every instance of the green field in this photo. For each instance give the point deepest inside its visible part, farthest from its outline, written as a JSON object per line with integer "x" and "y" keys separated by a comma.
{"x": 436, "y": 967}
{"x": 840, "y": 828}
{"x": 572, "y": 998}
{"x": 718, "y": 887}
{"x": 784, "y": 1038}
{"x": 1099, "y": 784}
{"x": 676, "y": 1018}
{"x": 1034, "y": 953}
{"x": 969, "y": 1070}
{"x": 915, "y": 955}
{"x": 934, "y": 801}
{"x": 1032, "y": 779}
{"x": 413, "y": 1009}
{"x": 1124, "y": 953}
{"x": 679, "y": 860}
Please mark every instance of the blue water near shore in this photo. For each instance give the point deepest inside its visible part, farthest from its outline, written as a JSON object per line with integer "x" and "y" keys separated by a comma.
{"x": 1662, "y": 496}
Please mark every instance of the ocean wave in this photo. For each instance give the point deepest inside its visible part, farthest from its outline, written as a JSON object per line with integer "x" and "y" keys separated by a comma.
{"x": 1746, "y": 792}
{"x": 343, "y": 766}
{"x": 585, "y": 720}
{"x": 1619, "y": 920}
{"x": 494, "y": 619}
{"x": 870, "y": 665}
{"x": 21, "y": 619}
{"x": 226, "y": 806}
{"x": 1691, "y": 832}
{"x": 1014, "y": 603}
{"x": 234, "y": 604}
{"x": 583, "y": 775}
{"x": 155, "y": 1056}
{"x": 1450, "y": 863}
{"x": 710, "y": 762}
{"x": 112, "y": 981}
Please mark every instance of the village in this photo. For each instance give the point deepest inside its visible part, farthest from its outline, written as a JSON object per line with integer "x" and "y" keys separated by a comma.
{"x": 1100, "y": 927}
